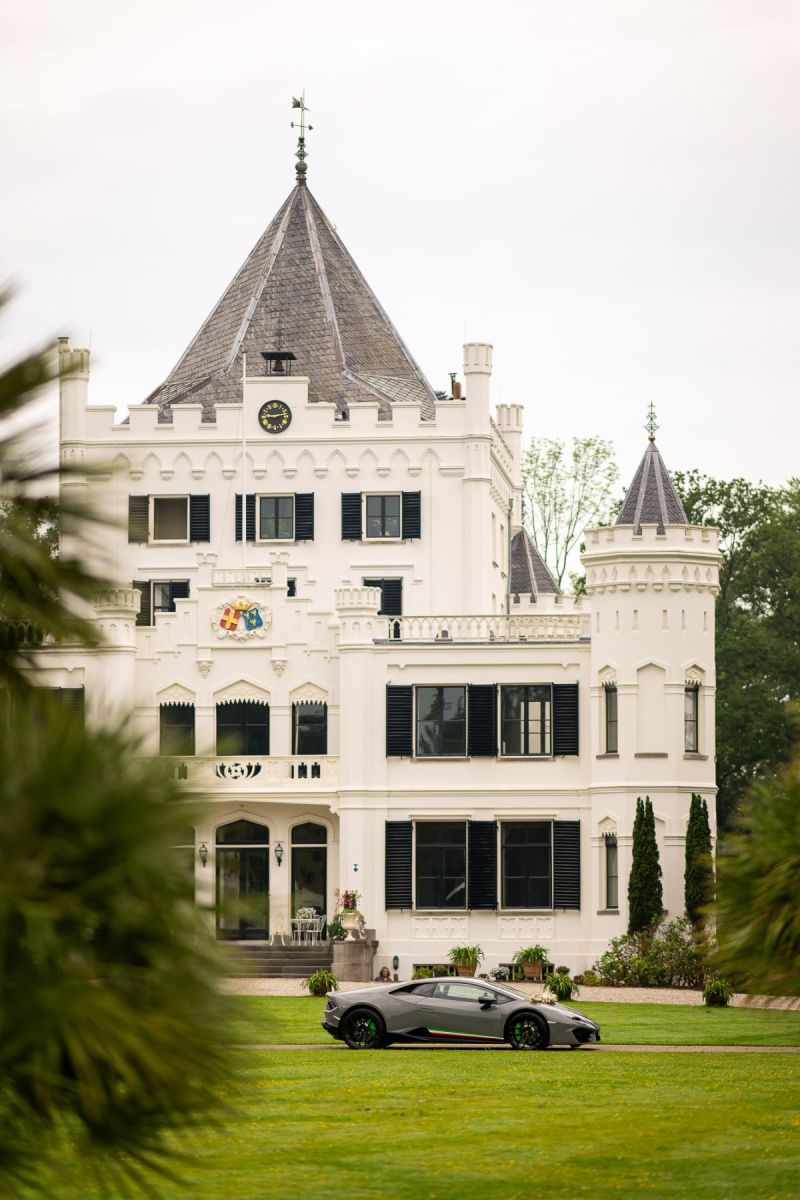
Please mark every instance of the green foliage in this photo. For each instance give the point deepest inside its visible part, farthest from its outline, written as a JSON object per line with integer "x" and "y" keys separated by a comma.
{"x": 530, "y": 954}
{"x": 320, "y": 982}
{"x": 336, "y": 930}
{"x": 699, "y": 872}
{"x": 564, "y": 491}
{"x": 422, "y": 973}
{"x": 665, "y": 954}
{"x": 717, "y": 993}
{"x": 561, "y": 986}
{"x": 465, "y": 956}
{"x": 106, "y": 978}
{"x": 758, "y": 869}
{"x": 757, "y": 624}
{"x": 645, "y": 896}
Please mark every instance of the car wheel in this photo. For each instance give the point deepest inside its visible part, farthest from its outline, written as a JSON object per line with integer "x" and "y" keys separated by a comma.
{"x": 363, "y": 1029}
{"x": 527, "y": 1031}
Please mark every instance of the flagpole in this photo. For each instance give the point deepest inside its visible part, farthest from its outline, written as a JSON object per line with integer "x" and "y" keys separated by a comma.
{"x": 244, "y": 464}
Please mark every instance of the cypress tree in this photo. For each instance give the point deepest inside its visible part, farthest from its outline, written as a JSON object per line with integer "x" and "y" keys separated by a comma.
{"x": 699, "y": 874}
{"x": 645, "y": 896}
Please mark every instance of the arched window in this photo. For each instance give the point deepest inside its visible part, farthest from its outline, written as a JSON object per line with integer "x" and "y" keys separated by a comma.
{"x": 309, "y": 834}
{"x": 242, "y": 833}
{"x": 242, "y": 870}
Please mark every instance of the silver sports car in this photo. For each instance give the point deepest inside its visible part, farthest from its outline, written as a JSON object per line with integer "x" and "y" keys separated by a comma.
{"x": 452, "y": 1010}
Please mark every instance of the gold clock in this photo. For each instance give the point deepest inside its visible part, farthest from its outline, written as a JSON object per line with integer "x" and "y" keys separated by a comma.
{"x": 274, "y": 416}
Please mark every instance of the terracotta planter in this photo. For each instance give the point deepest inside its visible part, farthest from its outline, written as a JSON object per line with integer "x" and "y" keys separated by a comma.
{"x": 532, "y": 970}
{"x": 469, "y": 972}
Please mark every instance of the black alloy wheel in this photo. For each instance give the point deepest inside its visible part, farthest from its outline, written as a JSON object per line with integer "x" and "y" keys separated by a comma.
{"x": 527, "y": 1031}
{"x": 363, "y": 1029}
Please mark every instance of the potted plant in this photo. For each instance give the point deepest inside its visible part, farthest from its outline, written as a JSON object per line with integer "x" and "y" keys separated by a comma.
{"x": 531, "y": 959}
{"x": 561, "y": 986}
{"x": 351, "y": 918}
{"x": 717, "y": 993}
{"x": 320, "y": 982}
{"x": 465, "y": 959}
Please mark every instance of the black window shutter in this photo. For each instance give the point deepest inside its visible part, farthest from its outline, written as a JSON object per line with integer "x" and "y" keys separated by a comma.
{"x": 412, "y": 514}
{"x": 145, "y": 614}
{"x": 238, "y": 517}
{"x": 566, "y": 864}
{"x": 138, "y": 518}
{"x": 351, "y": 516}
{"x": 398, "y": 864}
{"x": 565, "y": 718}
{"x": 178, "y": 590}
{"x": 304, "y": 517}
{"x": 482, "y": 858}
{"x": 482, "y": 720}
{"x": 199, "y": 518}
{"x": 392, "y": 590}
{"x": 266, "y": 729}
{"x": 73, "y": 700}
{"x": 399, "y": 721}
{"x": 250, "y": 517}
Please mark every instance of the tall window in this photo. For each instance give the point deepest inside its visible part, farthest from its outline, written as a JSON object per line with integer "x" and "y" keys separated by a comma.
{"x": 690, "y": 712}
{"x": 177, "y": 729}
{"x": 170, "y": 518}
{"x": 275, "y": 518}
{"x": 441, "y": 856}
{"x": 243, "y": 728}
{"x": 383, "y": 516}
{"x": 612, "y": 736}
{"x": 526, "y": 719}
{"x": 527, "y": 860}
{"x": 309, "y": 728}
{"x": 167, "y": 591}
{"x": 612, "y": 871}
{"x": 441, "y": 721}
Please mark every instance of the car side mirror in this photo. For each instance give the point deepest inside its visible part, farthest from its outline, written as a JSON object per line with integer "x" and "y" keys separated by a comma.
{"x": 487, "y": 1003}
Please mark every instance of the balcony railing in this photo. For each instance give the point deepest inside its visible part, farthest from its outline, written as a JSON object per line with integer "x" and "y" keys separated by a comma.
{"x": 533, "y": 627}
{"x": 248, "y": 771}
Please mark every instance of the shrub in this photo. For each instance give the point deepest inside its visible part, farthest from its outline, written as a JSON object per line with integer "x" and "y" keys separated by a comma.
{"x": 336, "y": 930}
{"x": 422, "y": 973}
{"x": 465, "y": 956}
{"x": 321, "y": 981}
{"x": 561, "y": 986}
{"x": 666, "y": 954}
{"x": 645, "y": 896}
{"x": 588, "y": 979}
{"x": 717, "y": 992}
{"x": 562, "y": 970}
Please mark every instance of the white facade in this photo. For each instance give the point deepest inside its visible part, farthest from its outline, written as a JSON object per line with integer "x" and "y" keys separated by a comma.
{"x": 645, "y": 627}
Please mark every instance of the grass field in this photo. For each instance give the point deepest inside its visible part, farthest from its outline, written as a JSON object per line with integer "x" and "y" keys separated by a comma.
{"x": 447, "y": 1124}
{"x": 296, "y": 1019}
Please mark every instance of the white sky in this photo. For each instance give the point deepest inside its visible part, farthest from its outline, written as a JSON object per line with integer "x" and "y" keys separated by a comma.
{"x": 607, "y": 191}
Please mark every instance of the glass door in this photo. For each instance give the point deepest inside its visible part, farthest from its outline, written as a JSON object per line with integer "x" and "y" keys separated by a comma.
{"x": 309, "y": 868}
{"x": 243, "y": 881}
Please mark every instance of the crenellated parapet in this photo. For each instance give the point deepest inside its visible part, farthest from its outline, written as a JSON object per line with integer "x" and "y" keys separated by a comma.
{"x": 681, "y": 559}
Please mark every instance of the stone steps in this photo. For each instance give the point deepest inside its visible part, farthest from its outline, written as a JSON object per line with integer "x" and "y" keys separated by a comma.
{"x": 261, "y": 960}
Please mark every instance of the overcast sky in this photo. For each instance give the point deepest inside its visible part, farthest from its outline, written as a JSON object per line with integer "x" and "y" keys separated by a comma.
{"x": 607, "y": 191}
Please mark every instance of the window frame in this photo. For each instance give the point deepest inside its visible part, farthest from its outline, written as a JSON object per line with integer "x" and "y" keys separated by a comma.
{"x": 295, "y": 749}
{"x": 246, "y": 725}
{"x": 504, "y": 906}
{"x": 611, "y": 722}
{"x": 691, "y": 719}
{"x": 442, "y": 846}
{"x": 275, "y": 496}
{"x": 365, "y": 497}
{"x": 440, "y": 753}
{"x": 549, "y": 753}
{"x": 162, "y": 708}
{"x": 610, "y": 843}
{"x": 151, "y": 525}
{"x": 154, "y": 583}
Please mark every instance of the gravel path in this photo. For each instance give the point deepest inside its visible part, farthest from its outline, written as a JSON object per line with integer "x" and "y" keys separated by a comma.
{"x": 603, "y": 1047}
{"x": 292, "y": 987}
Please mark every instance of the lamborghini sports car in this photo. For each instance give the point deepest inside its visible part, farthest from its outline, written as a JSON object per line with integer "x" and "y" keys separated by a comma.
{"x": 452, "y": 1010}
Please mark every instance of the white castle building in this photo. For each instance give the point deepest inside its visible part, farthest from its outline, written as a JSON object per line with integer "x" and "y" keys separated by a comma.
{"x": 330, "y": 620}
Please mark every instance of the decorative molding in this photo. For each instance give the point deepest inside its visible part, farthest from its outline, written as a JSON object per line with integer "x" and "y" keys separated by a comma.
{"x": 308, "y": 693}
{"x": 237, "y": 770}
{"x": 204, "y": 665}
{"x": 607, "y": 825}
{"x": 176, "y": 693}
{"x": 440, "y": 927}
{"x": 526, "y": 929}
{"x": 242, "y": 690}
{"x": 279, "y": 665}
{"x": 242, "y": 619}
{"x": 694, "y": 676}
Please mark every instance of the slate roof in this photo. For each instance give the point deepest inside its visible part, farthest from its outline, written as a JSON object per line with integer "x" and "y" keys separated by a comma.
{"x": 529, "y": 572}
{"x": 300, "y": 291}
{"x": 651, "y": 498}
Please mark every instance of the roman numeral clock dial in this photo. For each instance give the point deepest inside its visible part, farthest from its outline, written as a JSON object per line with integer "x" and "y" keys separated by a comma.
{"x": 274, "y": 416}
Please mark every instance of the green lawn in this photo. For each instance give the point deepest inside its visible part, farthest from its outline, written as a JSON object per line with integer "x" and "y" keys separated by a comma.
{"x": 296, "y": 1019}
{"x": 445, "y": 1124}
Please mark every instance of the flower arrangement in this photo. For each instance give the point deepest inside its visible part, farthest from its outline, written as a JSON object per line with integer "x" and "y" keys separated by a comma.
{"x": 349, "y": 901}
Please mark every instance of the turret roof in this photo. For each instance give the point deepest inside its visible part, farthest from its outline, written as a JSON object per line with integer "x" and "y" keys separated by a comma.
{"x": 651, "y": 498}
{"x": 530, "y": 574}
{"x": 298, "y": 291}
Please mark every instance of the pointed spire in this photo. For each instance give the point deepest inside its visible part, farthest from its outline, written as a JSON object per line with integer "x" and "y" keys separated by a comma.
{"x": 651, "y": 425}
{"x": 530, "y": 574}
{"x": 651, "y": 498}
{"x": 301, "y": 167}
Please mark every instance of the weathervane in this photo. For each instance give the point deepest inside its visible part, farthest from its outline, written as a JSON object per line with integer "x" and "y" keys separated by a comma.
{"x": 301, "y": 167}
{"x": 651, "y": 425}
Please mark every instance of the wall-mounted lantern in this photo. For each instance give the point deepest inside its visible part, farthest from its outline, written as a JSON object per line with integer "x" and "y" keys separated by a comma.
{"x": 279, "y": 853}
{"x": 202, "y": 853}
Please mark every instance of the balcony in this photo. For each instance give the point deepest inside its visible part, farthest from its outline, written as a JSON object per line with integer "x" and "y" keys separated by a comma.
{"x": 254, "y": 773}
{"x": 532, "y": 627}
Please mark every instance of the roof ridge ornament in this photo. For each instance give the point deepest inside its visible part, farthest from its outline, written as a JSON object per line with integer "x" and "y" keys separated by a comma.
{"x": 651, "y": 425}
{"x": 301, "y": 167}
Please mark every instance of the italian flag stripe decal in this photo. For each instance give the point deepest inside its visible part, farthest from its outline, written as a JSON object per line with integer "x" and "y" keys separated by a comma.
{"x": 463, "y": 1036}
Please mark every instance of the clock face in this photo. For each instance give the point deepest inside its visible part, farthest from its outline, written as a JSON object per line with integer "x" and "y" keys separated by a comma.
{"x": 274, "y": 416}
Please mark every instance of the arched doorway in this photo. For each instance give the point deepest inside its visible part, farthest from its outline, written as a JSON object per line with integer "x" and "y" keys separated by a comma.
{"x": 242, "y": 880}
{"x": 309, "y": 867}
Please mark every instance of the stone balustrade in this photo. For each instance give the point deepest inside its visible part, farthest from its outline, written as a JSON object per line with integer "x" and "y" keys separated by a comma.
{"x": 533, "y": 627}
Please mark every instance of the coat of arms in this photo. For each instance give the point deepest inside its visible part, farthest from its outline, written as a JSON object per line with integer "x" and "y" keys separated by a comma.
{"x": 240, "y": 618}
